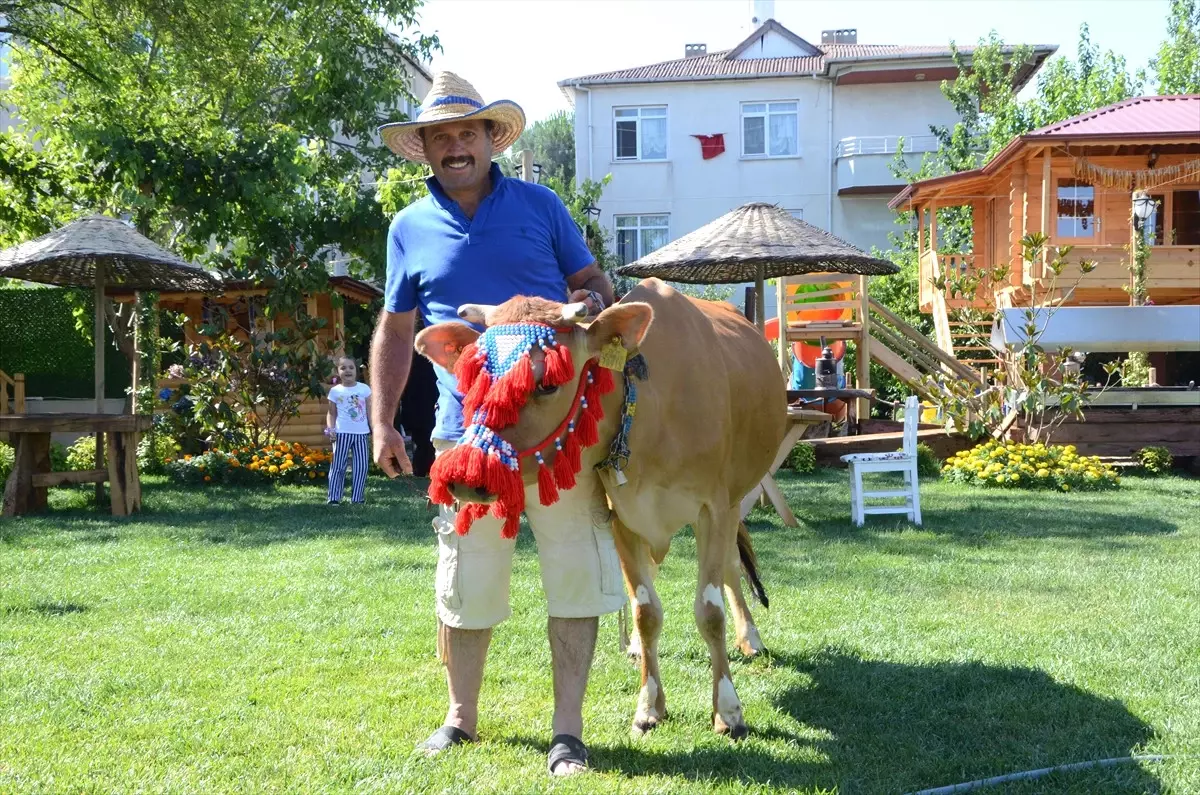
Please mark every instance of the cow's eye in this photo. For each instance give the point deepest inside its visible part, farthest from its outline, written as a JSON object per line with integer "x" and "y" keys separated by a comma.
{"x": 543, "y": 391}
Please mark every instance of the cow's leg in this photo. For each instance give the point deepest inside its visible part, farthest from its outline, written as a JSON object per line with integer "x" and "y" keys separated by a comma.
{"x": 638, "y": 569}
{"x": 747, "y": 640}
{"x": 716, "y": 537}
{"x": 634, "y": 651}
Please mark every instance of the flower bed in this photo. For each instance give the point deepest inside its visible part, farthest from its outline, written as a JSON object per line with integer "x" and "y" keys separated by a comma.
{"x": 277, "y": 463}
{"x": 1030, "y": 466}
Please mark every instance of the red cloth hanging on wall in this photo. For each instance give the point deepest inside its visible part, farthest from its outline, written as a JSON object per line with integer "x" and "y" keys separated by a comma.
{"x": 711, "y": 145}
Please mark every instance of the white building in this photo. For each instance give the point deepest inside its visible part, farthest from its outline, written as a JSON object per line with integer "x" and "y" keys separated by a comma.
{"x": 811, "y": 128}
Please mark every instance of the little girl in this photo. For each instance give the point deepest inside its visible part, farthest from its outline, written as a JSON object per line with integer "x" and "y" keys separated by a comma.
{"x": 346, "y": 423}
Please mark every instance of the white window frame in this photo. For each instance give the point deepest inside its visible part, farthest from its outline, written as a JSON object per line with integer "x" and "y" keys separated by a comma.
{"x": 641, "y": 109}
{"x": 766, "y": 117}
{"x": 1096, "y": 209}
{"x": 638, "y": 228}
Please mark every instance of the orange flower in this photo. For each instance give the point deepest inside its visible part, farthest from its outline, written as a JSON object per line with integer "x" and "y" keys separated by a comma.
{"x": 207, "y": 478}
{"x": 312, "y": 475}
{"x": 187, "y": 458}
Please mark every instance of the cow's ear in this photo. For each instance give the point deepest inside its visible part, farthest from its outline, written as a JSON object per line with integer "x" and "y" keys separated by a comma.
{"x": 629, "y": 322}
{"x": 442, "y": 343}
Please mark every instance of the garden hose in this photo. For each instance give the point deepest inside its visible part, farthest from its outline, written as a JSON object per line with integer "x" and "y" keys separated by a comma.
{"x": 1029, "y": 775}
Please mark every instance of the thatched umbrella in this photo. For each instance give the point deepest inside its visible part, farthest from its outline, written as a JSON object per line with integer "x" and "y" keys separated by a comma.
{"x": 95, "y": 251}
{"x": 755, "y": 242}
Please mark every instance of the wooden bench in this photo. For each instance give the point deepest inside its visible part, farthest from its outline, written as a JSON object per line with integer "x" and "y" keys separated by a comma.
{"x": 26, "y": 488}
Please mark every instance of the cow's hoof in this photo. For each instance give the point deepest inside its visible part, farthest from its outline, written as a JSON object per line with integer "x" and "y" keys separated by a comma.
{"x": 643, "y": 724}
{"x": 738, "y": 731}
{"x": 749, "y": 649}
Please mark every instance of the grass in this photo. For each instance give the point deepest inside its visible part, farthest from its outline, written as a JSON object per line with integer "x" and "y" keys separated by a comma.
{"x": 230, "y": 641}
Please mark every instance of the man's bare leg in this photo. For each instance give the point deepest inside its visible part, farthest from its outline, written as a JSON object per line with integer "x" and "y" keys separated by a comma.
{"x": 572, "y": 644}
{"x": 464, "y": 652}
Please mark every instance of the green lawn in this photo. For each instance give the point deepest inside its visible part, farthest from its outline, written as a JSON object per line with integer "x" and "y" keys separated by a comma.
{"x": 229, "y": 640}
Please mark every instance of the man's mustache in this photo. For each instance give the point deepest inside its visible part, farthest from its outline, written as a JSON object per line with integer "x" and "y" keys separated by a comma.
{"x": 446, "y": 160}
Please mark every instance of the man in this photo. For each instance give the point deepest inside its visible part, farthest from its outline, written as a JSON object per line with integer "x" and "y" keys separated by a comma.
{"x": 482, "y": 238}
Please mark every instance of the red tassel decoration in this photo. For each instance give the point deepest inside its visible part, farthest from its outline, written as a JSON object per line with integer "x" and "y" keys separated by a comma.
{"x": 467, "y": 516}
{"x": 564, "y": 473}
{"x": 602, "y": 381}
{"x": 479, "y": 391}
{"x": 512, "y": 525}
{"x": 467, "y": 368}
{"x": 547, "y": 492}
{"x": 505, "y": 399}
{"x": 573, "y": 452}
{"x": 585, "y": 427}
{"x": 446, "y": 469}
{"x": 475, "y": 468}
{"x": 559, "y": 367}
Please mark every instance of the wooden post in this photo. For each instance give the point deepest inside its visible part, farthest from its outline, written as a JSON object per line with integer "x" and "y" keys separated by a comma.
{"x": 781, "y": 316}
{"x": 864, "y": 348}
{"x": 527, "y": 165}
{"x": 1047, "y": 216}
{"x": 136, "y": 370}
{"x": 760, "y": 300}
{"x": 1016, "y": 224}
{"x": 19, "y": 393}
{"x": 98, "y": 338}
{"x": 920, "y": 231}
{"x": 933, "y": 241}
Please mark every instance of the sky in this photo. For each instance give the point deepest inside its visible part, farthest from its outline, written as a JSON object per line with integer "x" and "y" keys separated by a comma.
{"x": 520, "y": 49}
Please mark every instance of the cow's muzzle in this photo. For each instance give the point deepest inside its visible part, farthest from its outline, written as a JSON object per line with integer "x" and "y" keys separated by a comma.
{"x": 465, "y": 493}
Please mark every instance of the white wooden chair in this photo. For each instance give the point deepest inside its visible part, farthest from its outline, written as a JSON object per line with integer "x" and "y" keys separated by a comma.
{"x": 904, "y": 461}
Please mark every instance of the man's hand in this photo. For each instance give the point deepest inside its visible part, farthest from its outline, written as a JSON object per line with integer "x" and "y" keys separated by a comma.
{"x": 589, "y": 298}
{"x": 390, "y": 454}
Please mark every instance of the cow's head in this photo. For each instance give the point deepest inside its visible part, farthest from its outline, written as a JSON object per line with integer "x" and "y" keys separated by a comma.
{"x": 532, "y": 386}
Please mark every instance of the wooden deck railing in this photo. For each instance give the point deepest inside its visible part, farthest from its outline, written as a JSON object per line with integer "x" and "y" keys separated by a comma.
{"x": 14, "y": 384}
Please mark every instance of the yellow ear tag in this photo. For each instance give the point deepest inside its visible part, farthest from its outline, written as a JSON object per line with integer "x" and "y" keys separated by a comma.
{"x": 613, "y": 355}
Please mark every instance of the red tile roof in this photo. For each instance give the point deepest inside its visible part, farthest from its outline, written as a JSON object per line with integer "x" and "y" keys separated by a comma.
{"x": 1151, "y": 116}
{"x": 720, "y": 65}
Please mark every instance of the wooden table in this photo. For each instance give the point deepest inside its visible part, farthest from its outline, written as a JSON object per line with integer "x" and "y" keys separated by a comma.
{"x": 31, "y": 475}
{"x": 799, "y": 420}
{"x": 824, "y": 396}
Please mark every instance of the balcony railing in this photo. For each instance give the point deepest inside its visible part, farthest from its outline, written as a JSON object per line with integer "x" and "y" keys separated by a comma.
{"x": 884, "y": 145}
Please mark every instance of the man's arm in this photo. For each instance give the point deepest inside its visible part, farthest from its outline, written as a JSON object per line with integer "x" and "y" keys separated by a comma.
{"x": 590, "y": 279}
{"x": 391, "y": 359}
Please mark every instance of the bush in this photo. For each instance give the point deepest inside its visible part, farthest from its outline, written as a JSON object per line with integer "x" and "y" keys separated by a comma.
{"x": 280, "y": 463}
{"x": 928, "y": 464}
{"x": 82, "y": 454}
{"x": 153, "y": 452}
{"x": 1155, "y": 460}
{"x": 803, "y": 458}
{"x": 1030, "y": 466}
{"x": 58, "y": 457}
{"x": 7, "y": 456}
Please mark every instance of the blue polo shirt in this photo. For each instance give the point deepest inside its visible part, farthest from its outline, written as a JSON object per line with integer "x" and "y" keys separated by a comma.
{"x": 522, "y": 241}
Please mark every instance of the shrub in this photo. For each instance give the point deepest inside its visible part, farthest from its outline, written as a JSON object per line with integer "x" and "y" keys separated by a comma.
{"x": 803, "y": 458}
{"x": 1155, "y": 460}
{"x": 1030, "y": 466}
{"x": 7, "y": 456}
{"x": 82, "y": 454}
{"x": 928, "y": 464}
{"x": 153, "y": 451}
{"x": 58, "y": 457}
{"x": 279, "y": 463}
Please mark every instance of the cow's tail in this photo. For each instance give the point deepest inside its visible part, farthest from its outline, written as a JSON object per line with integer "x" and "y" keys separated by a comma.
{"x": 750, "y": 565}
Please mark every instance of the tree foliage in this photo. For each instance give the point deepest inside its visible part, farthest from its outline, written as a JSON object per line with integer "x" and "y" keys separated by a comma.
{"x": 552, "y": 141}
{"x": 238, "y": 132}
{"x": 1176, "y": 67}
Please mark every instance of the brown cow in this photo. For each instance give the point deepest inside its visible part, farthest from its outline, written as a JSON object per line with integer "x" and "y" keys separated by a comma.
{"x": 708, "y": 422}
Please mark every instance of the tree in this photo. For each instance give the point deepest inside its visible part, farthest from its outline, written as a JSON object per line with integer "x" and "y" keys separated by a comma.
{"x": 236, "y": 132}
{"x": 1176, "y": 68}
{"x": 552, "y": 141}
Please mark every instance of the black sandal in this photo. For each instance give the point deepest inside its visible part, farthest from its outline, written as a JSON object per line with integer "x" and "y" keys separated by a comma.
{"x": 444, "y": 738}
{"x": 565, "y": 748}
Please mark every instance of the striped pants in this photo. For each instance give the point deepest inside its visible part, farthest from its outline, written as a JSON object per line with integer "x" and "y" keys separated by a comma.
{"x": 346, "y": 443}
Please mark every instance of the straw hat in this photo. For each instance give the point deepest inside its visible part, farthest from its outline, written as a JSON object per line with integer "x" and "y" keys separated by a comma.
{"x": 451, "y": 99}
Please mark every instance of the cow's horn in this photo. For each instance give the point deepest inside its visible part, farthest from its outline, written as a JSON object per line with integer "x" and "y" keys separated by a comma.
{"x": 573, "y": 313}
{"x": 476, "y": 313}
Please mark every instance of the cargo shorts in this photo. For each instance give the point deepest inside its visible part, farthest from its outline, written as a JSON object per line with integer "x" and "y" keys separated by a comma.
{"x": 581, "y": 574}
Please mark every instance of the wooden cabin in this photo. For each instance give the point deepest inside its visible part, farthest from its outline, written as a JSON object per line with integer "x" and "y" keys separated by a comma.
{"x": 243, "y": 302}
{"x": 1073, "y": 182}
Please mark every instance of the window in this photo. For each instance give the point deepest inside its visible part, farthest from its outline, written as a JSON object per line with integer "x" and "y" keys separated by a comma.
{"x": 799, "y": 215}
{"x": 1185, "y": 217}
{"x": 1152, "y": 227}
{"x": 1076, "y": 209}
{"x": 638, "y": 235}
{"x": 770, "y": 129}
{"x": 640, "y": 133}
